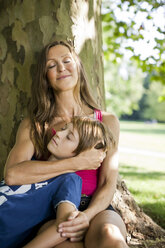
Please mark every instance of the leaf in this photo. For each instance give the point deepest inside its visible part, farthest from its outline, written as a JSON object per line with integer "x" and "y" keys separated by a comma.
{"x": 106, "y": 17}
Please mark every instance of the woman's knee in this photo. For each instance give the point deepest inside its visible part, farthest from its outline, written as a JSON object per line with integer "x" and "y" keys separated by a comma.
{"x": 109, "y": 230}
{"x": 110, "y": 236}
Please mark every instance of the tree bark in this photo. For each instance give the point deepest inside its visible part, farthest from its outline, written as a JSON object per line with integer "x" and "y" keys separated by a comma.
{"x": 25, "y": 27}
{"x": 139, "y": 225}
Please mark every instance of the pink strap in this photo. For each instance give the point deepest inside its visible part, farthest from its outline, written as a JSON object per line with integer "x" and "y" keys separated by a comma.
{"x": 99, "y": 115}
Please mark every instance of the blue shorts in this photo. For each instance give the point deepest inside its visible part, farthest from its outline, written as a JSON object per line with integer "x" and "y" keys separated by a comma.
{"x": 24, "y": 207}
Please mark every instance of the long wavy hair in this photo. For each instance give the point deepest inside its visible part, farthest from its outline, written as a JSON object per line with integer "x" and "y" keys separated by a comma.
{"x": 92, "y": 133}
{"x": 42, "y": 109}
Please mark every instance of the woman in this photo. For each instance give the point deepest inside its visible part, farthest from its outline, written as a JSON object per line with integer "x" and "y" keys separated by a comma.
{"x": 80, "y": 134}
{"x": 29, "y": 205}
{"x": 59, "y": 92}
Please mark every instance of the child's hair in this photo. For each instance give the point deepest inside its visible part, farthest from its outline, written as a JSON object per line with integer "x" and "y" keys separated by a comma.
{"x": 92, "y": 133}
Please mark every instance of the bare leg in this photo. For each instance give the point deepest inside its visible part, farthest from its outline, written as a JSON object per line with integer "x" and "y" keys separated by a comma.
{"x": 68, "y": 244}
{"x": 106, "y": 230}
{"x": 48, "y": 236}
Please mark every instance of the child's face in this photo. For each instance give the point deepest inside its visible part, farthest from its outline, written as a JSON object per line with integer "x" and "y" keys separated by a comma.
{"x": 64, "y": 142}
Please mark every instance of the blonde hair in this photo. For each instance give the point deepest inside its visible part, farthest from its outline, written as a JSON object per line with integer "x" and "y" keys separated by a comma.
{"x": 92, "y": 133}
{"x": 42, "y": 108}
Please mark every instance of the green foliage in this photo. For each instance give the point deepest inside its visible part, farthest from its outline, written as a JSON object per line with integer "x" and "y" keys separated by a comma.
{"x": 154, "y": 109}
{"x": 133, "y": 32}
{"x": 151, "y": 104}
{"x": 123, "y": 88}
{"x": 123, "y": 30}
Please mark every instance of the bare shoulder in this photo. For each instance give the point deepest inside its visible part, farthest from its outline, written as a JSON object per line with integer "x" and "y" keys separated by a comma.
{"x": 112, "y": 122}
{"x": 25, "y": 123}
{"x": 23, "y": 148}
{"x": 24, "y": 129}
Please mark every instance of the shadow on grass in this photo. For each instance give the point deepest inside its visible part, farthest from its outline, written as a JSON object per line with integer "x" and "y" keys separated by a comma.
{"x": 143, "y": 130}
{"x": 144, "y": 175}
{"x": 133, "y": 172}
{"x": 156, "y": 211}
{"x": 156, "y": 208}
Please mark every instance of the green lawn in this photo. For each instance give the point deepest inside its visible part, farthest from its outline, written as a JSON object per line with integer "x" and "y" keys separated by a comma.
{"x": 142, "y": 165}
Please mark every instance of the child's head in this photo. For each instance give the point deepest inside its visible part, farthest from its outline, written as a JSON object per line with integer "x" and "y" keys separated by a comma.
{"x": 81, "y": 134}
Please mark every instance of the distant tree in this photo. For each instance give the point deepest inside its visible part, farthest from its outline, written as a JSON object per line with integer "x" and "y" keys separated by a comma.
{"x": 123, "y": 88}
{"x": 153, "y": 108}
{"x": 150, "y": 105}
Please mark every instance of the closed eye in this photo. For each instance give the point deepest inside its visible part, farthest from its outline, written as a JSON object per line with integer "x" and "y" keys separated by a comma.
{"x": 64, "y": 127}
{"x": 68, "y": 137}
{"x": 51, "y": 66}
{"x": 67, "y": 61}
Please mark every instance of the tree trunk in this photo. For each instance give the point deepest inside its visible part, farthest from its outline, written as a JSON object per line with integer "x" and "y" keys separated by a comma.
{"x": 26, "y": 26}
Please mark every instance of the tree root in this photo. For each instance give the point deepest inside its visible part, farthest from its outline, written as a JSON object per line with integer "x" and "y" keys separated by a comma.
{"x": 139, "y": 226}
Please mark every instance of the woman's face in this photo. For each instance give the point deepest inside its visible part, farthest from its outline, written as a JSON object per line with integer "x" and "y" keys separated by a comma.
{"x": 64, "y": 142}
{"x": 61, "y": 67}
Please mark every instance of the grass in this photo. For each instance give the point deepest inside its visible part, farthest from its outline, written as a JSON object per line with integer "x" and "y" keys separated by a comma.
{"x": 142, "y": 135}
{"x": 144, "y": 173}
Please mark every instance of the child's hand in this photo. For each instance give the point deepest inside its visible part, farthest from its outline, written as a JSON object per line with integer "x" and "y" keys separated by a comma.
{"x": 76, "y": 226}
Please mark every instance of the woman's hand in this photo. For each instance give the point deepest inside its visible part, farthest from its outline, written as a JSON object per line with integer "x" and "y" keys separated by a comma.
{"x": 90, "y": 159}
{"x": 76, "y": 226}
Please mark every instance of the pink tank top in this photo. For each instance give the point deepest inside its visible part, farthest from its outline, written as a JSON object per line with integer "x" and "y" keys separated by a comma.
{"x": 90, "y": 177}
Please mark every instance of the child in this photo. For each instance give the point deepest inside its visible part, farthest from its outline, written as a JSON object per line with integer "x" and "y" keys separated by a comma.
{"x": 64, "y": 191}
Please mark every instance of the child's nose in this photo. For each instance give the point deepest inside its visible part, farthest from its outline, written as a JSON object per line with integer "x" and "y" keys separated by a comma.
{"x": 60, "y": 134}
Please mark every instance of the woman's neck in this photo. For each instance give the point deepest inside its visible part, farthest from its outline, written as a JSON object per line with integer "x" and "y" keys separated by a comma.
{"x": 66, "y": 105}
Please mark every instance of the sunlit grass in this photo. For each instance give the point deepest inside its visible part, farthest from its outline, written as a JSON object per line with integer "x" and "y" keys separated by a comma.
{"x": 143, "y": 135}
{"x": 143, "y": 162}
{"x": 145, "y": 175}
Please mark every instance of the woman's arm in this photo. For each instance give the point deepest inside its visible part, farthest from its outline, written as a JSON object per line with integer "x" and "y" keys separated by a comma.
{"x": 108, "y": 172}
{"x": 104, "y": 192}
{"x": 20, "y": 169}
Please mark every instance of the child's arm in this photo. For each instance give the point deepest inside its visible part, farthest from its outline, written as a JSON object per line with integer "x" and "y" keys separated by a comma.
{"x": 48, "y": 236}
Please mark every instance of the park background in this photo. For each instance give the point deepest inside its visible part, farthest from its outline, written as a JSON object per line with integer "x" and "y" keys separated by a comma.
{"x": 134, "y": 69}
{"x": 129, "y": 37}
